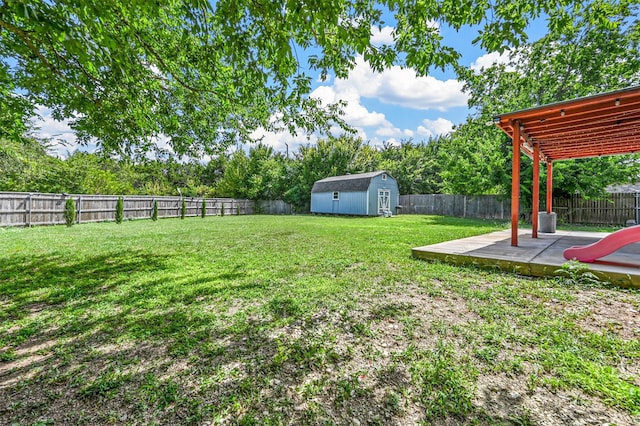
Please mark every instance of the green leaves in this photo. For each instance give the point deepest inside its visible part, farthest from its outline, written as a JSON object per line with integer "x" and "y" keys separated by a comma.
{"x": 70, "y": 212}
{"x": 204, "y": 75}
{"x": 587, "y": 51}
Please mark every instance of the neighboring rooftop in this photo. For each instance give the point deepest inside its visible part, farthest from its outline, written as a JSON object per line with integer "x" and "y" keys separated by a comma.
{"x": 626, "y": 188}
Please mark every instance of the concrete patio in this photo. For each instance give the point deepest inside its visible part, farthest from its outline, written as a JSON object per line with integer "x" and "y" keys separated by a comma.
{"x": 538, "y": 257}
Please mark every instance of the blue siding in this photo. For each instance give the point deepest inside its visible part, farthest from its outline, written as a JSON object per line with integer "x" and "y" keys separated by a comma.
{"x": 357, "y": 203}
{"x": 351, "y": 203}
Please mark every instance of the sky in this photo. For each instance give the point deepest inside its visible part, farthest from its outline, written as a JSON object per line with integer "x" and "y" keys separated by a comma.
{"x": 391, "y": 106}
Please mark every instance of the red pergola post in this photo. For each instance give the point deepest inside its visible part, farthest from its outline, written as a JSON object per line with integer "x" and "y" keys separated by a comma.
{"x": 515, "y": 183}
{"x": 535, "y": 205}
{"x": 549, "y": 186}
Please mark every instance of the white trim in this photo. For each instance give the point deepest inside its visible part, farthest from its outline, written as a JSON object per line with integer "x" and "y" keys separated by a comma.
{"x": 367, "y": 202}
{"x": 335, "y": 196}
{"x": 384, "y": 195}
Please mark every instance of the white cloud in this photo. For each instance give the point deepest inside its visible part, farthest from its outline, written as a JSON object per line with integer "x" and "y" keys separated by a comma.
{"x": 382, "y": 36}
{"x": 432, "y": 128}
{"x": 393, "y": 132}
{"x": 61, "y": 136}
{"x": 355, "y": 114}
{"x": 395, "y": 86}
{"x": 489, "y": 59}
{"x": 388, "y": 131}
{"x": 398, "y": 86}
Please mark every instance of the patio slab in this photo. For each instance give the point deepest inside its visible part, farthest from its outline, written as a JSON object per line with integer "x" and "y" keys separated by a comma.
{"x": 539, "y": 257}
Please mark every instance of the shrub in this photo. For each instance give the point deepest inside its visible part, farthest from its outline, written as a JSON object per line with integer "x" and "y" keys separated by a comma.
{"x": 70, "y": 212}
{"x": 154, "y": 214}
{"x": 183, "y": 209}
{"x": 238, "y": 208}
{"x": 222, "y": 209}
{"x": 119, "y": 210}
{"x": 203, "y": 211}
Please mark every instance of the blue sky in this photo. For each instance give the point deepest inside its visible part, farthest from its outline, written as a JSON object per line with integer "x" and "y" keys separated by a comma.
{"x": 390, "y": 106}
{"x": 396, "y": 104}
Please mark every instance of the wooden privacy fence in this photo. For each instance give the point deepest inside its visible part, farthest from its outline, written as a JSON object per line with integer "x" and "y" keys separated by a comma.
{"x": 615, "y": 209}
{"x": 478, "y": 206}
{"x": 25, "y": 209}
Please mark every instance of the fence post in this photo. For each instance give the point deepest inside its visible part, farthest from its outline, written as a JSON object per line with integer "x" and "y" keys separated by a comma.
{"x": 637, "y": 215}
{"x": 29, "y": 210}
{"x": 79, "y": 218}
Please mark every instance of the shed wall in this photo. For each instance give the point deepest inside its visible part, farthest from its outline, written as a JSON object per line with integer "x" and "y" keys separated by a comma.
{"x": 352, "y": 203}
{"x": 376, "y": 184}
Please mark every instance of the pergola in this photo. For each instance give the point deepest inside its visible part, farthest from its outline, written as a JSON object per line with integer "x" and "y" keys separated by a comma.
{"x": 593, "y": 126}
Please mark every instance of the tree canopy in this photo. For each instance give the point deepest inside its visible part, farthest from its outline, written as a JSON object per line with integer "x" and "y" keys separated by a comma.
{"x": 583, "y": 57}
{"x": 206, "y": 74}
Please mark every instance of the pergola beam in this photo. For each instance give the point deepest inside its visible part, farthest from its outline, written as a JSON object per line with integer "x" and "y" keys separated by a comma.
{"x": 549, "y": 187}
{"x": 557, "y": 120}
{"x": 535, "y": 205}
{"x": 515, "y": 183}
{"x": 593, "y": 126}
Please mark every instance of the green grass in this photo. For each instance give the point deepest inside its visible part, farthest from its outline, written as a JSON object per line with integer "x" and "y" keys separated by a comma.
{"x": 296, "y": 319}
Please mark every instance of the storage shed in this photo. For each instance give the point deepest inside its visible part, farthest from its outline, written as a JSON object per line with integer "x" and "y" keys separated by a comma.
{"x": 364, "y": 194}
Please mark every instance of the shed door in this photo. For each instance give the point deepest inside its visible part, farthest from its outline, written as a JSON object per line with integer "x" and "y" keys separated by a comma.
{"x": 384, "y": 201}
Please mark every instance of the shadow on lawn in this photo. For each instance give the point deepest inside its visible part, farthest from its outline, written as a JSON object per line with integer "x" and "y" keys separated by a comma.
{"x": 104, "y": 340}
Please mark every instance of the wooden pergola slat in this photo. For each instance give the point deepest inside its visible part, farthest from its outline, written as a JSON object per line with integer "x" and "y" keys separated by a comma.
{"x": 592, "y": 126}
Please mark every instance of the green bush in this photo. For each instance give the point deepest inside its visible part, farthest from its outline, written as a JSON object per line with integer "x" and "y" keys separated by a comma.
{"x": 222, "y": 209}
{"x": 183, "y": 209}
{"x": 154, "y": 214}
{"x": 119, "y": 210}
{"x": 238, "y": 208}
{"x": 203, "y": 211}
{"x": 70, "y": 212}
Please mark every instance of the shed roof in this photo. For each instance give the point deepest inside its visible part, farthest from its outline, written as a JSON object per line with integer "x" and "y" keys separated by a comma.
{"x": 592, "y": 126}
{"x": 347, "y": 183}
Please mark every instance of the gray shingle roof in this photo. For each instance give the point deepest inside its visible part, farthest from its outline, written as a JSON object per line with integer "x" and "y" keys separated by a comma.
{"x": 347, "y": 183}
{"x": 628, "y": 188}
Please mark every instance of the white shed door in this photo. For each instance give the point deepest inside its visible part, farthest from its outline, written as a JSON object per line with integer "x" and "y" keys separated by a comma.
{"x": 384, "y": 201}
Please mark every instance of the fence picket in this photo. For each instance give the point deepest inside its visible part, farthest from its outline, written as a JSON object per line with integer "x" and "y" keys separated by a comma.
{"x": 27, "y": 209}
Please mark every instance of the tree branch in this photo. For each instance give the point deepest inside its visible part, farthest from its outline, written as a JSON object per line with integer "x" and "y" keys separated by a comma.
{"x": 24, "y": 36}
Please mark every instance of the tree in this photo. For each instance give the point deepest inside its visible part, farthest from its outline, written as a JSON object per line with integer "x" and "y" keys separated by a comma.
{"x": 98, "y": 174}
{"x": 415, "y": 166}
{"x": 119, "y": 210}
{"x": 582, "y": 56}
{"x": 206, "y": 74}
{"x": 475, "y": 159}
{"x": 330, "y": 157}
{"x": 26, "y": 166}
{"x": 256, "y": 176}
{"x": 154, "y": 212}
{"x": 70, "y": 212}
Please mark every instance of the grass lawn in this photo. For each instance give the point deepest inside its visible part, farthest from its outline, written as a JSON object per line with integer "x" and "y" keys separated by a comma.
{"x": 300, "y": 320}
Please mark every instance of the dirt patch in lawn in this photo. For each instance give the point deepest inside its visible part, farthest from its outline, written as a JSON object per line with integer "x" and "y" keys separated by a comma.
{"x": 510, "y": 398}
{"x": 357, "y": 365}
